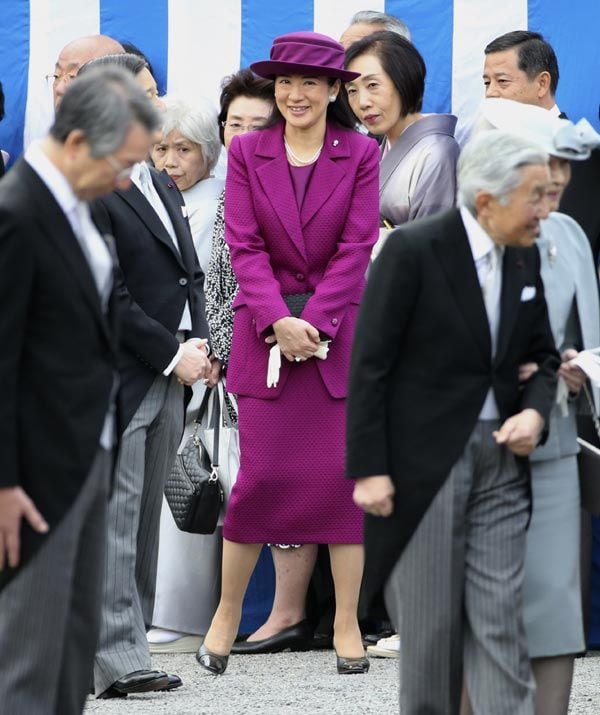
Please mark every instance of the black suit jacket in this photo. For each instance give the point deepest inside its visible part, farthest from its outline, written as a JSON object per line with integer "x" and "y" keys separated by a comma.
{"x": 58, "y": 353}
{"x": 155, "y": 281}
{"x": 422, "y": 367}
{"x": 581, "y": 199}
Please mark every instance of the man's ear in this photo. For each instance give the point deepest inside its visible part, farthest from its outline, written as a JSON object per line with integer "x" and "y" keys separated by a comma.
{"x": 483, "y": 200}
{"x": 74, "y": 141}
{"x": 543, "y": 81}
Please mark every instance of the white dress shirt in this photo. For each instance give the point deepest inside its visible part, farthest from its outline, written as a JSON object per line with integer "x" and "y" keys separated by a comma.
{"x": 77, "y": 212}
{"x": 92, "y": 245}
{"x": 488, "y": 263}
{"x": 141, "y": 177}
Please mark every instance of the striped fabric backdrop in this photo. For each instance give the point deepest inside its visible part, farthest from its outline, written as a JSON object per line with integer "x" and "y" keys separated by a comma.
{"x": 194, "y": 43}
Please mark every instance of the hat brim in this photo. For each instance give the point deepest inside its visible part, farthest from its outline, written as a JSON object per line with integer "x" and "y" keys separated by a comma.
{"x": 271, "y": 68}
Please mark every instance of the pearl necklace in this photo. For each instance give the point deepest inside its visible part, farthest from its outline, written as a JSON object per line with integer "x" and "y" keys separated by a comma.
{"x": 300, "y": 162}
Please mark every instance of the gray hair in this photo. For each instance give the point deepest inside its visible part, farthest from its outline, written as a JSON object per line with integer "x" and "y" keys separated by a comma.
{"x": 491, "y": 162}
{"x": 103, "y": 104}
{"x": 197, "y": 123}
{"x": 128, "y": 61}
{"x": 391, "y": 23}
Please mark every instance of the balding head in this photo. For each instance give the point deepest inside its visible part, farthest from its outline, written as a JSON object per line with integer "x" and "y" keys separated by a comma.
{"x": 75, "y": 54}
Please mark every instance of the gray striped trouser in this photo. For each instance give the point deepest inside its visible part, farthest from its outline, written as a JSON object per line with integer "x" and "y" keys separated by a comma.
{"x": 455, "y": 594}
{"x": 50, "y": 611}
{"x": 146, "y": 452}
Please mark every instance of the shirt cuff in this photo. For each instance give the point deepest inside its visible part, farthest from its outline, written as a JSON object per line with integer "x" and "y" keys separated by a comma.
{"x": 171, "y": 366}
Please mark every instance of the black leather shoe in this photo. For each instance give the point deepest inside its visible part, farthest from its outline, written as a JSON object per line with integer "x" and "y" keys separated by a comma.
{"x": 140, "y": 681}
{"x": 213, "y": 662}
{"x": 296, "y": 637}
{"x": 350, "y": 666}
{"x": 174, "y": 682}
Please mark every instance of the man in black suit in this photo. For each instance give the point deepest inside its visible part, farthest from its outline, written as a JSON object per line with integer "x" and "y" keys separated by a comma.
{"x": 522, "y": 66}
{"x": 163, "y": 349}
{"x": 438, "y": 424}
{"x": 58, "y": 362}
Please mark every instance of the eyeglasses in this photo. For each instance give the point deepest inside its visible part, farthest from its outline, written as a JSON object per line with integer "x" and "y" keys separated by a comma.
{"x": 237, "y": 128}
{"x": 58, "y": 78}
{"x": 122, "y": 172}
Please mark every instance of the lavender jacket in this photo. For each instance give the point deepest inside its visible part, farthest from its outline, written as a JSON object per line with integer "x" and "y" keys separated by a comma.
{"x": 277, "y": 249}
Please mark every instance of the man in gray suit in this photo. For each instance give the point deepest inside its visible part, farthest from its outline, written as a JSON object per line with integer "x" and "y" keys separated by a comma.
{"x": 438, "y": 426}
{"x": 58, "y": 361}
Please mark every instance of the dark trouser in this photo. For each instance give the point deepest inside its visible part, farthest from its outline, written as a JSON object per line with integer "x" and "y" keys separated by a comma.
{"x": 50, "y": 612}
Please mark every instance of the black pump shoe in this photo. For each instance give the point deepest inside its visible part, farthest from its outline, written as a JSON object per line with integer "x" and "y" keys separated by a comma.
{"x": 350, "y": 666}
{"x": 212, "y": 662}
{"x": 294, "y": 638}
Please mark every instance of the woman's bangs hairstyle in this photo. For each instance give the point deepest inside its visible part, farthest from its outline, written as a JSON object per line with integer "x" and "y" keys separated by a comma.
{"x": 401, "y": 60}
{"x": 243, "y": 84}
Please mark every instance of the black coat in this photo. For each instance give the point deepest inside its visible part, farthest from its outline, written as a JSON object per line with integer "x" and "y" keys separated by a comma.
{"x": 58, "y": 353}
{"x": 155, "y": 282}
{"x": 422, "y": 367}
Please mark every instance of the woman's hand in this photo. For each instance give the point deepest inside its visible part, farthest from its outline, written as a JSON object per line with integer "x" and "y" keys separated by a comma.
{"x": 215, "y": 371}
{"x": 295, "y": 337}
{"x": 571, "y": 374}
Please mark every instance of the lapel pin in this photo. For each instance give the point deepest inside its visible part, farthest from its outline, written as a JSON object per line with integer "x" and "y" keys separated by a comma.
{"x": 169, "y": 185}
{"x": 335, "y": 142}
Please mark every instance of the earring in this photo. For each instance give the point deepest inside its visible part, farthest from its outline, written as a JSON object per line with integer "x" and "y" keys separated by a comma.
{"x": 332, "y": 97}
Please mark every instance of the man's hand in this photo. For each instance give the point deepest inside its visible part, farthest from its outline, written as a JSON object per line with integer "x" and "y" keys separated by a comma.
{"x": 375, "y": 495}
{"x": 15, "y": 505}
{"x": 521, "y": 432}
{"x": 295, "y": 337}
{"x": 572, "y": 375}
{"x": 526, "y": 370}
{"x": 193, "y": 363}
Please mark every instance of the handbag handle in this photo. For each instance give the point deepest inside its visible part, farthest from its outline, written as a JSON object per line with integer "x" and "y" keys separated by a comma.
{"x": 203, "y": 405}
{"x": 216, "y": 420}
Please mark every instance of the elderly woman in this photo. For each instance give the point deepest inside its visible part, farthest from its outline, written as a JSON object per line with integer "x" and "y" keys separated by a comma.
{"x": 417, "y": 174}
{"x": 188, "y": 564}
{"x": 188, "y": 151}
{"x": 552, "y": 591}
{"x": 300, "y": 220}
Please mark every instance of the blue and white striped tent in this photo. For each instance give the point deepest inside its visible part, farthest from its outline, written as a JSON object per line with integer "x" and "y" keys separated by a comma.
{"x": 194, "y": 43}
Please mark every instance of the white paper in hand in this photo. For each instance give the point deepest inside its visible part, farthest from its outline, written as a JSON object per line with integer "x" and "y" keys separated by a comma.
{"x": 589, "y": 362}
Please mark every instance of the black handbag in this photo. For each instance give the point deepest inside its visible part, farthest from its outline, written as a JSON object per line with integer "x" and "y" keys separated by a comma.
{"x": 296, "y": 302}
{"x": 193, "y": 489}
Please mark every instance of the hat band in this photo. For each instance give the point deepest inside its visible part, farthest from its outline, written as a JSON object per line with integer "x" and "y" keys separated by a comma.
{"x": 303, "y": 54}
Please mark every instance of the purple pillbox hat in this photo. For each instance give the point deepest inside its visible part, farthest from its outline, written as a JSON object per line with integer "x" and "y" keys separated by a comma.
{"x": 305, "y": 53}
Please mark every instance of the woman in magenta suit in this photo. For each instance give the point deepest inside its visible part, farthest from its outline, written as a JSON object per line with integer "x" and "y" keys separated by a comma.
{"x": 300, "y": 219}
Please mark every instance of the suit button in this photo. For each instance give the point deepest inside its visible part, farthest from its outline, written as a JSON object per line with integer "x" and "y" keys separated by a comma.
{"x": 299, "y": 276}
{"x": 183, "y": 281}
{"x": 334, "y": 321}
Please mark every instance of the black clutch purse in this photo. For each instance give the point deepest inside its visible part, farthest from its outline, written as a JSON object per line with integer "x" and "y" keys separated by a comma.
{"x": 193, "y": 489}
{"x": 296, "y": 302}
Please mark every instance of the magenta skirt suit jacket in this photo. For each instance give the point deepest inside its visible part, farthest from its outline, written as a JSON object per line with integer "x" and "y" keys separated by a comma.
{"x": 291, "y": 485}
